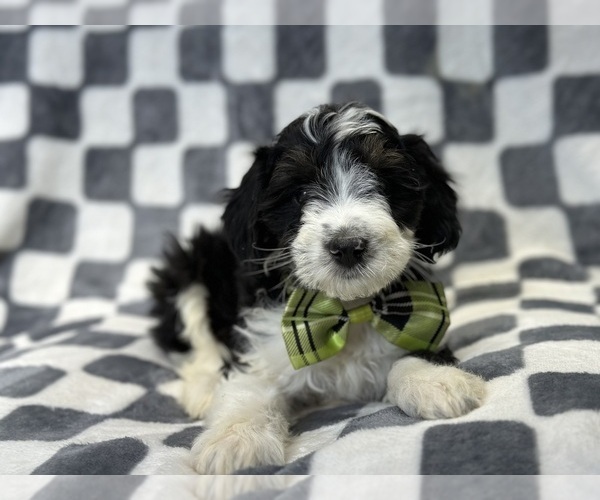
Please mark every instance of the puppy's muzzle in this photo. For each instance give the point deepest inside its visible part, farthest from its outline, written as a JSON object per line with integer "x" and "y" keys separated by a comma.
{"x": 348, "y": 251}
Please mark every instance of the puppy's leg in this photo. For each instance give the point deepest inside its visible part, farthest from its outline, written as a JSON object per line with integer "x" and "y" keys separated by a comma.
{"x": 202, "y": 373}
{"x": 427, "y": 390}
{"x": 246, "y": 427}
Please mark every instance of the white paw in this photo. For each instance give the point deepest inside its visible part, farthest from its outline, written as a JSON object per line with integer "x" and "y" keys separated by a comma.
{"x": 429, "y": 391}
{"x": 197, "y": 393}
{"x": 239, "y": 447}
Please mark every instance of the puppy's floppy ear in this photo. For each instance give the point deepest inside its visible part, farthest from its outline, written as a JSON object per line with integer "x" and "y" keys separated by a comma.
{"x": 240, "y": 220}
{"x": 438, "y": 227}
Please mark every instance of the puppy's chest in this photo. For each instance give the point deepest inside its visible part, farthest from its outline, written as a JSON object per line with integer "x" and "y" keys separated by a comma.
{"x": 357, "y": 372}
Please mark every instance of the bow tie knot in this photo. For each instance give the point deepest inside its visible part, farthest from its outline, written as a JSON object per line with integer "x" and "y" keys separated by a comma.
{"x": 412, "y": 315}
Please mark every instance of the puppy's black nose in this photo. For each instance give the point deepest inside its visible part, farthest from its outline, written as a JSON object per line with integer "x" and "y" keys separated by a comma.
{"x": 348, "y": 251}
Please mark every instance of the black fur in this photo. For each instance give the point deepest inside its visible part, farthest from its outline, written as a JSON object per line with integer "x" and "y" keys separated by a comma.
{"x": 208, "y": 260}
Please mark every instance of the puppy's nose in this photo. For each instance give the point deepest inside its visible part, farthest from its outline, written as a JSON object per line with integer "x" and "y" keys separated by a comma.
{"x": 348, "y": 251}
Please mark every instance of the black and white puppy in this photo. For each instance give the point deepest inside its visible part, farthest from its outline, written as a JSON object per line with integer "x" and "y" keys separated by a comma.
{"x": 338, "y": 203}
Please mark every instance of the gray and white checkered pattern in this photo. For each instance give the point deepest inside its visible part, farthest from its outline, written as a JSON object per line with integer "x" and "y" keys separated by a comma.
{"x": 111, "y": 136}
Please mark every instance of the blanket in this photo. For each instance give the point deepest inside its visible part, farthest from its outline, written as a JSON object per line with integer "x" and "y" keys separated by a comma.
{"x": 110, "y": 137}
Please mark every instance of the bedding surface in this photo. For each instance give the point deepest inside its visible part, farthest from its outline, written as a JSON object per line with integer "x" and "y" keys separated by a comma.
{"x": 111, "y": 137}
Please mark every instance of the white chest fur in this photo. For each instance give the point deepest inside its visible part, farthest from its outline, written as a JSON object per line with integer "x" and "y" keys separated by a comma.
{"x": 357, "y": 373}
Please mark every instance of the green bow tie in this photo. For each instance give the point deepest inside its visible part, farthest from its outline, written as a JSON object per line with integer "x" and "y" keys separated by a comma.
{"x": 412, "y": 315}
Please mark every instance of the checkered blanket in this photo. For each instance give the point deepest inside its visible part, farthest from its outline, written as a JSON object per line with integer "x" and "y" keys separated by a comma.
{"x": 109, "y": 137}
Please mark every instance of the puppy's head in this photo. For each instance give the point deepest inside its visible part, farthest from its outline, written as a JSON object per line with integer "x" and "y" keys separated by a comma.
{"x": 344, "y": 202}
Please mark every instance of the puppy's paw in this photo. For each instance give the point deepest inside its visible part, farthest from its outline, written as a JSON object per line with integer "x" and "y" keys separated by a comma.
{"x": 239, "y": 447}
{"x": 429, "y": 391}
{"x": 197, "y": 394}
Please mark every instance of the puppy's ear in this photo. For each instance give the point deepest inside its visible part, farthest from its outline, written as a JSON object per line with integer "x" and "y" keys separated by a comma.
{"x": 439, "y": 229}
{"x": 240, "y": 220}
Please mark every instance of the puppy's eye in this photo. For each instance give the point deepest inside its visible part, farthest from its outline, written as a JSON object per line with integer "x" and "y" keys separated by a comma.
{"x": 301, "y": 196}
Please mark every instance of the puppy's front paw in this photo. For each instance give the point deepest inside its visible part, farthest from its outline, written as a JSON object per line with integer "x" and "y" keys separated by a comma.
{"x": 239, "y": 447}
{"x": 429, "y": 391}
{"x": 197, "y": 394}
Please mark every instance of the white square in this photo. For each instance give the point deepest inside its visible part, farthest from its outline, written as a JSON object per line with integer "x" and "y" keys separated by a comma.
{"x": 573, "y": 12}
{"x": 523, "y": 107}
{"x": 353, "y": 12}
{"x": 107, "y": 116}
{"x": 574, "y": 49}
{"x": 55, "y": 169}
{"x": 152, "y": 56}
{"x": 55, "y": 57}
{"x": 203, "y": 114}
{"x": 55, "y": 14}
{"x": 12, "y": 227}
{"x": 157, "y": 176}
{"x": 248, "y": 12}
{"x": 354, "y": 52}
{"x": 104, "y": 232}
{"x": 295, "y": 97}
{"x": 465, "y": 12}
{"x": 475, "y": 170}
{"x": 465, "y": 53}
{"x": 240, "y": 156}
{"x": 539, "y": 231}
{"x": 133, "y": 287}
{"x": 14, "y": 111}
{"x": 147, "y": 13}
{"x": 41, "y": 279}
{"x": 249, "y": 53}
{"x": 577, "y": 160}
{"x": 414, "y": 105}
{"x": 200, "y": 214}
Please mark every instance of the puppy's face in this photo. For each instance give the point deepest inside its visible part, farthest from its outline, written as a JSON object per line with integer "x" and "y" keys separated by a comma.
{"x": 345, "y": 199}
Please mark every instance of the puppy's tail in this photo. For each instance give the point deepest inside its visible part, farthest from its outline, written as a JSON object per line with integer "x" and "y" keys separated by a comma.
{"x": 195, "y": 291}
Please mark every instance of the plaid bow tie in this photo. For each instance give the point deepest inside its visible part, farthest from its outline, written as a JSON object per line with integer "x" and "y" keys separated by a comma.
{"x": 412, "y": 315}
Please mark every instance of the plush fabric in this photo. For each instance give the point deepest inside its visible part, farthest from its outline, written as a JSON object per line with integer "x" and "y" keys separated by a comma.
{"x": 109, "y": 137}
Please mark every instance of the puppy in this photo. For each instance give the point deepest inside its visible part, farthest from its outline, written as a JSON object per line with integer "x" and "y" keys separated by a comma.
{"x": 316, "y": 289}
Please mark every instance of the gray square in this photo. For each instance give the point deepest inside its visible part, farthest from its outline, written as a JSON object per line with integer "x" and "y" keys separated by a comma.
{"x": 106, "y": 58}
{"x": 479, "y": 487}
{"x": 204, "y": 174}
{"x": 96, "y": 279}
{"x": 35, "y": 422}
{"x": 584, "y": 222}
{"x": 200, "y": 53}
{"x": 150, "y": 228}
{"x": 496, "y": 364}
{"x": 300, "y": 51}
{"x": 499, "y": 447}
{"x": 114, "y": 457}
{"x": 55, "y": 112}
{"x": 251, "y": 112}
{"x": 577, "y": 104}
{"x": 529, "y": 177}
{"x": 554, "y": 393}
{"x": 130, "y": 370}
{"x": 155, "y": 114}
{"x": 522, "y": 12}
{"x": 365, "y": 91}
{"x": 406, "y": 12}
{"x": 24, "y": 381}
{"x": 12, "y": 164}
{"x": 204, "y": 12}
{"x": 484, "y": 237}
{"x": 520, "y": 49}
{"x": 108, "y": 174}
{"x": 410, "y": 49}
{"x": 50, "y": 226}
{"x": 292, "y": 12}
{"x": 468, "y": 112}
{"x": 13, "y": 54}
